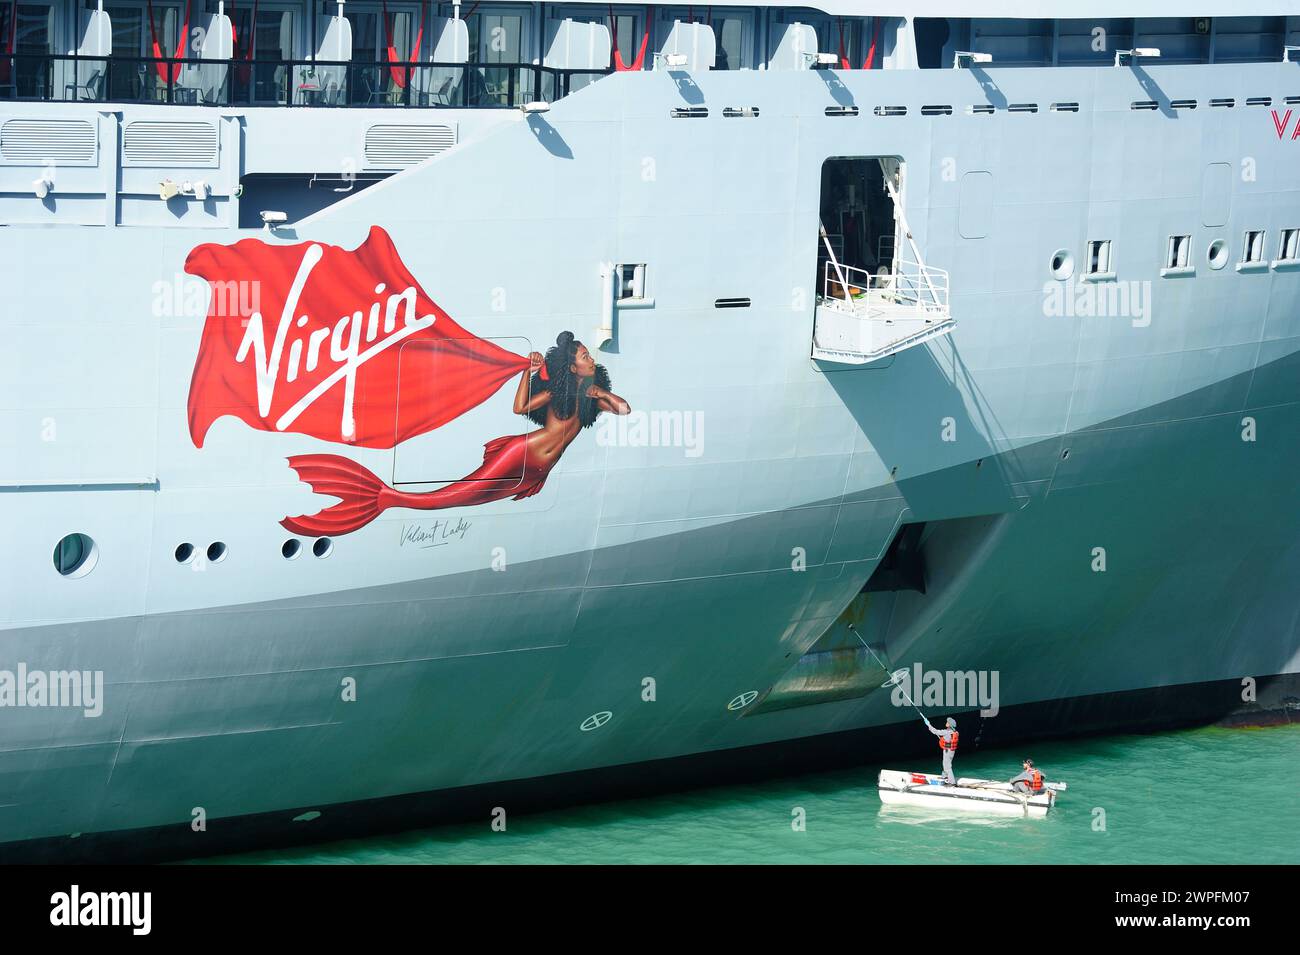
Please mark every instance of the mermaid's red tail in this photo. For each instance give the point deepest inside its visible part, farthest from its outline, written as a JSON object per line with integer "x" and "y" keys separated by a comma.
{"x": 360, "y": 495}
{"x": 506, "y": 472}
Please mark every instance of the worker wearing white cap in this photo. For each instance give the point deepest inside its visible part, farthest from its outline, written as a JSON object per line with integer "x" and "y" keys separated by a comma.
{"x": 948, "y": 744}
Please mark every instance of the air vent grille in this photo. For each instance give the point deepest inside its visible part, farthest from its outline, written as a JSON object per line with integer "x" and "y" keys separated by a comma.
{"x": 39, "y": 141}
{"x": 169, "y": 143}
{"x": 390, "y": 146}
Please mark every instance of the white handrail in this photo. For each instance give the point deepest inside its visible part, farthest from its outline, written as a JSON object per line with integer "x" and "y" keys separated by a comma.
{"x": 831, "y": 260}
{"x": 913, "y": 284}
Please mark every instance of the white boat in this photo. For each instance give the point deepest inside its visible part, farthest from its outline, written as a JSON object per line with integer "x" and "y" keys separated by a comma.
{"x": 969, "y": 795}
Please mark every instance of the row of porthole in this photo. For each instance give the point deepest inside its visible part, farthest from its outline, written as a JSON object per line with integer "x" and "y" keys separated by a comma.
{"x": 289, "y": 550}
{"x": 1217, "y": 254}
{"x": 216, "y": 552}
{"x": 75, "y": 555}
{"x": 1062, "y": 266}
{"x": 987, "y": 109}
{"x": 321, "y": 547}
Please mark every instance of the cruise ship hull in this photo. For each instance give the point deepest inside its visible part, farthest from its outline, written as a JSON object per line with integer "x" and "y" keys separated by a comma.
{"x": 1111, "y": 529}
{"x": 454, "y": 725}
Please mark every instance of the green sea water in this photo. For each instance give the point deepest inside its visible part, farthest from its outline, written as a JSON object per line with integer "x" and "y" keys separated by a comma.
{"x": 1209, "y": 795}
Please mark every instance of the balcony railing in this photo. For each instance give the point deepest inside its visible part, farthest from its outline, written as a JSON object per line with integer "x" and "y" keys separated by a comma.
{"x": 910, "y": 284}
{"x": 296, "y": 83}
{"x": 862, "y": 317}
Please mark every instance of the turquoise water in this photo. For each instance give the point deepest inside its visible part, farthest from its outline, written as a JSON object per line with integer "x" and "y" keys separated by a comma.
{"x": 1200, "y": 796}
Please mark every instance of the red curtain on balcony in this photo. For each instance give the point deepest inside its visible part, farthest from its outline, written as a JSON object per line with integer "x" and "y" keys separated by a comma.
{"x": 639, "y": 62}
{"x": 870, "y": 61}
{"x": 10, "y": 40}
{"x": 400, "y": 73}
{"x": 168, "y": 72}
{"x": 245, "y": 69}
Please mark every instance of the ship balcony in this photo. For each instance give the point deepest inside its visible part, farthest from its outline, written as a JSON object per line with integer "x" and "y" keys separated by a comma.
{"x": 862, "y": 317}
{"x": 233, "y": 82}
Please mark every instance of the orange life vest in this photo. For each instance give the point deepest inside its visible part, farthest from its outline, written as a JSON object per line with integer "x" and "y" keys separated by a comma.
{"x": 949, "y": 743}
{"x": 1035, "y": 780}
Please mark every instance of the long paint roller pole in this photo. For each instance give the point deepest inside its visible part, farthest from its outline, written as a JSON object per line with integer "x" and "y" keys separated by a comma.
{"x": 893, "y": 677}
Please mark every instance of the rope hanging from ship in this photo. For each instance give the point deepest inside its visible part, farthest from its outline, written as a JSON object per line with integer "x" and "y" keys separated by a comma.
{"x": 895, "y": 678}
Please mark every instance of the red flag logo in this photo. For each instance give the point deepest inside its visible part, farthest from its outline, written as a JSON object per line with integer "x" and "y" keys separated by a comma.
{"x": 321, "y": 353}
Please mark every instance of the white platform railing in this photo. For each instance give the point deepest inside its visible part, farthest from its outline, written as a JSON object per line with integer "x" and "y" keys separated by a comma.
{"x": 913, "y": 285}
{"x": 862, "y": 317}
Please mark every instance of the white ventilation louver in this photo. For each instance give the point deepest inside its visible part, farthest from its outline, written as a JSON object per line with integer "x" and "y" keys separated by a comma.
{"x": 169, "y": 143}
{"x": 40, "y": 141}
{"x": 389, "y": 147}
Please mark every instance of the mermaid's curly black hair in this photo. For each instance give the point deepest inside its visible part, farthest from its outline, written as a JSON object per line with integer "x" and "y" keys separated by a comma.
{"x": 567, "y": 389}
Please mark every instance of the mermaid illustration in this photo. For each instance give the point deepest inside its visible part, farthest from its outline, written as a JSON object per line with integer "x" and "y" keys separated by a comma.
{"x": 562, "y": 392}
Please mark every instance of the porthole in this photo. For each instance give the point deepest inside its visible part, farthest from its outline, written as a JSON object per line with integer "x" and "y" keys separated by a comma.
{"x": 323, "y": 547}
{"x": 1218, "y": 254}
{"x": 216, "y": 552}
{"x": 1062, "y": 264}
{"x": 291, "y": 548}
{"x": 184, "y": 553}
{"x": 75, "y": 555}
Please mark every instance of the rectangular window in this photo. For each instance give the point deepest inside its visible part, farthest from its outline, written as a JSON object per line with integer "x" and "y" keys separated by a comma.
{"x": 274, "y": 31}
{"x": 1289, "y": 249}
{"x": 1253, "y": 249}
{"x": 631, "y": 281}
{"x": 35, "y": 28}
{"x": 732, "y": 46}
{"x": 1179, "y": 246}
{"x": 135, "y": 26}
{"x": 1099, "y": 257}
{"x": 885, "y": 248}
{"x": 371, "y": 30}
{"x": 32, "y": 31}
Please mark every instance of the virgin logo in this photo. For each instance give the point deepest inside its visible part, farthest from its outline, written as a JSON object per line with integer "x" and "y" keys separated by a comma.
{"x": 345, "y": 340}
{"x": 1280, "y": 124}
{"x": 330, "y": 365}
{"x": 361, "y": 355}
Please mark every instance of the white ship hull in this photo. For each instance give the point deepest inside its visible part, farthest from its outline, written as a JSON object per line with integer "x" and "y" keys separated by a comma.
{"x": 1105, "y": 502}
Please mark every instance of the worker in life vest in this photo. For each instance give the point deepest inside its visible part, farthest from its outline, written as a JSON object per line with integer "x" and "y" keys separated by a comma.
{"x": 1030, "y": 779}
{"x": 948, "y": 744}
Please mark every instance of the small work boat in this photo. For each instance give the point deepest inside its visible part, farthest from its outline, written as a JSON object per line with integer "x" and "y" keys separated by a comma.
{"x": 969, "y": 795}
